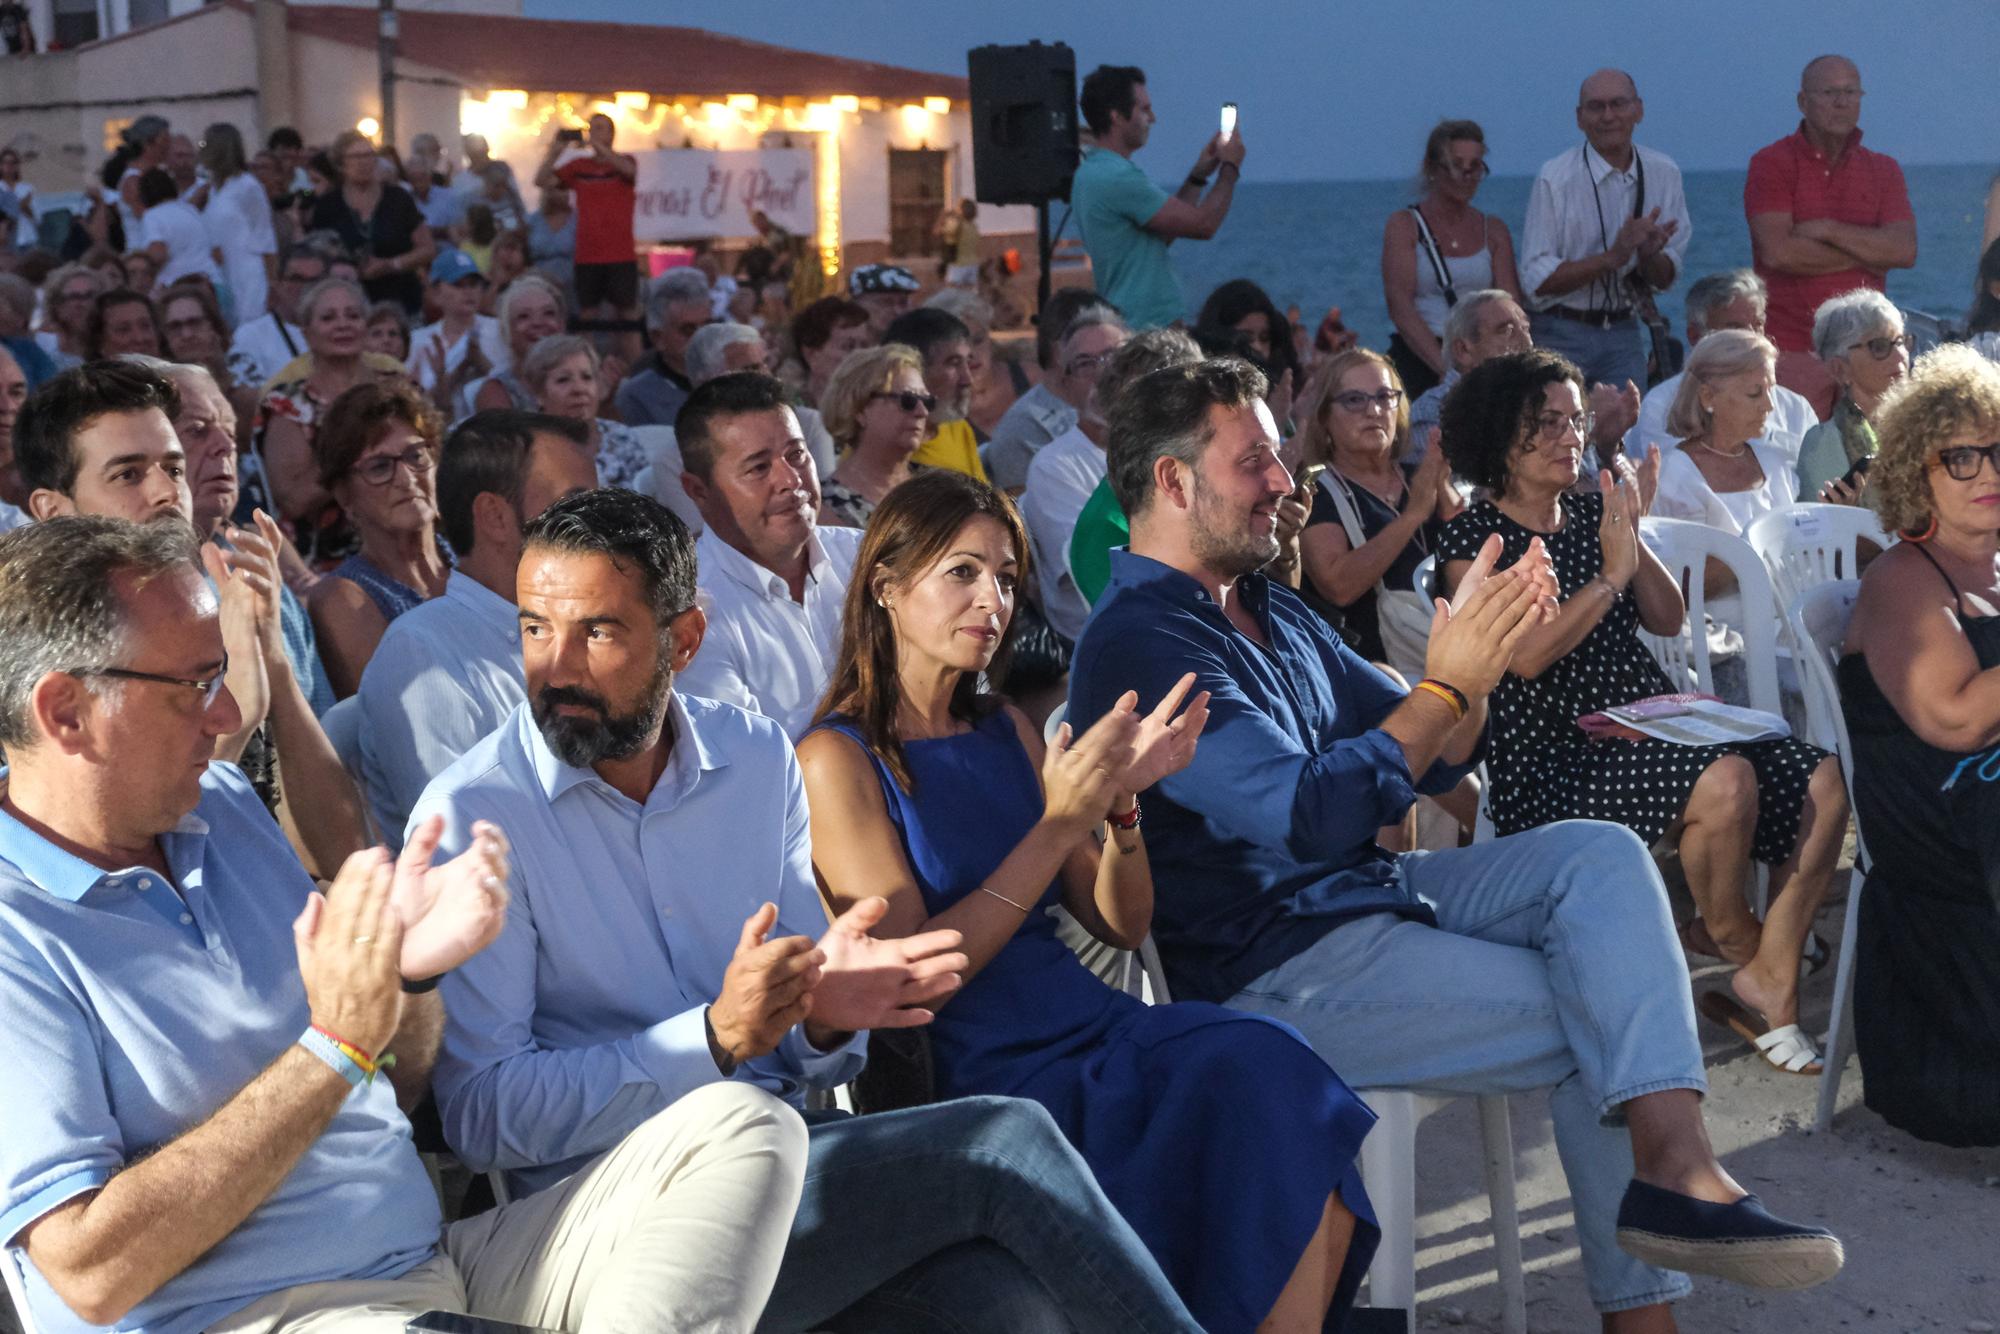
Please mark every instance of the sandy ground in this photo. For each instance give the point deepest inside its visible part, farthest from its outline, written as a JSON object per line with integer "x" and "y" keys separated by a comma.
{"x": 1921, "y": 1223}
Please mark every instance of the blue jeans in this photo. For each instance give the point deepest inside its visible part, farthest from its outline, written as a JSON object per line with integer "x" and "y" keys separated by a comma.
{"x": 1553, "y": 965}
{"x": 1605, "y": 356}
{"x": 970, "y": 1215}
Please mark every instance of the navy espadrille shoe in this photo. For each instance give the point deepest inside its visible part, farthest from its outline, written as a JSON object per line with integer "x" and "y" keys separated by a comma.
{"x": 1742, "y": 1242}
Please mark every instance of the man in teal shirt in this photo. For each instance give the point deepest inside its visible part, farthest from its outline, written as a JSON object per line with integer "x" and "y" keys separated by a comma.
{"x": 1127, "y": 221}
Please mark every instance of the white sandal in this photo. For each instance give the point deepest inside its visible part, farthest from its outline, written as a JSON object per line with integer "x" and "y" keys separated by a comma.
{"x": 1790, "y": 1050}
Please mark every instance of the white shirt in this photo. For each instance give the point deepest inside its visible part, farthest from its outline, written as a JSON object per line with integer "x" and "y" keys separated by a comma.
{"x": 1685, "y": 494}
{"x": 1785, "y": 429}
{"x": 179, "y": 228}
{"x": 492, "y": 346}
{"x": 1061, "y": 478}
{"x": 446, "y": 673}
{"x": 259, "y": 350}
{"x": 1566, "y": 221}
{"x": 238, "y": 219}
{"x": 765, "y": 652}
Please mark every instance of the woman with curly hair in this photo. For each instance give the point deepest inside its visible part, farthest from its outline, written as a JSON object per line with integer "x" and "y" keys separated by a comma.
{"x": 376, "y": 450}
{"x": 1920, "y": 686}
{"x": 1516, "y": 426}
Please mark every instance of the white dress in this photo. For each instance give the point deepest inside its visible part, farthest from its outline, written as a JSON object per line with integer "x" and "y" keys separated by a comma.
{"x": 238, "y": 218}
{"x": 1685, "y": 494}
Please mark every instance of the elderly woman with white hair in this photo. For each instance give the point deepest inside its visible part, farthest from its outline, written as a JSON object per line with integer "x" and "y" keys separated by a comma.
{"x": 562, "y": 373}
{"x": 723, "y": 349}
{"x": 531, "y": 309}
{"x": 1859, "y": 336}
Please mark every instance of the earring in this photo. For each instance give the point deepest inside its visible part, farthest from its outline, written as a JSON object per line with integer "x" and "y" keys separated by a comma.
{"x": 1915, "y": 535}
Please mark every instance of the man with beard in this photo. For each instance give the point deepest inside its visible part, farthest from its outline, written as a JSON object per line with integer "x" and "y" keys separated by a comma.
{"x": 773, "y": 580}
{"x": 1546, "y": 959}
{"x": 945, "y": 344}
{"x": 661, "y": 939}
{"x": 101, "y": 438}
{"x": 448, "y": 671}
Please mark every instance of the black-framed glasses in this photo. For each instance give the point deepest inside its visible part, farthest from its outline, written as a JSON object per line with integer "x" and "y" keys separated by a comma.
{"x": 909, "y": 400}
{"x": 1618, "y": 106}
{"x": 1961, "y": 462}
{"x": 1353, "y": 400}
{"x": 1882, "y": 348}
{"x": 1550, "y": 425}
{"x": 381, "y": 470}
{"x": 209, "y": 689}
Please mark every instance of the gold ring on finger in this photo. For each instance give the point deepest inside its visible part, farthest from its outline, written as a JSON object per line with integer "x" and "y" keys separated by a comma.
{"x": 363, "y": 940}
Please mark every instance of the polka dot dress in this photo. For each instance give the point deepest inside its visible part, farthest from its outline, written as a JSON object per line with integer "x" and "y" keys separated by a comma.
{"x": 1544, "y": 768}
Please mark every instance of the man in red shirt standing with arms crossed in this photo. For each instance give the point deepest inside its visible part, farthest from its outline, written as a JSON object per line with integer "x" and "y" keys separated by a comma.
{"x": 607, "y": 280}
{"x": 1826, "y": 216}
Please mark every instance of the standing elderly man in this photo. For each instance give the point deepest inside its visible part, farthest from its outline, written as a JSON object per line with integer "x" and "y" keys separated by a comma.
{"x": 1732, "y": 299}
{"x": 206, "y": 1146}
{"x": 1826, "y": 216}
{"x": 945, "y": 343}
{"x": 676, "y": 308}
{"x": 1045, "y": 411}
{"x": 1128, "y": 222}
{"x": 663, "y": 940}
{"x": 773, "y": 581}
{"x": 448, "y": 671}
{"x": 1607, "y": 225}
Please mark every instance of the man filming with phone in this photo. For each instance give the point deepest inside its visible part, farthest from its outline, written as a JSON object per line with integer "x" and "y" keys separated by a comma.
{"x": 1127, "y": 221}
{"x": 602, "y": 181}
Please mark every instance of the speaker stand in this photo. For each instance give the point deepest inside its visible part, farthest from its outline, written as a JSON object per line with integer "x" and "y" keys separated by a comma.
{"x": 1047, "y": 245}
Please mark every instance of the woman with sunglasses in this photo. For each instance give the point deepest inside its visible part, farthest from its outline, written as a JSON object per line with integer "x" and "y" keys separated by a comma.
{"x": 878, "y": 412}
{"x": 1859, "y": 336}
{"x": 1440, "y": 248}
{"x": 1920, "y": 687}
{"x": 1374, "y": 518}
{"x": 1516, "y": 426}
{"x": 376, "y": 449}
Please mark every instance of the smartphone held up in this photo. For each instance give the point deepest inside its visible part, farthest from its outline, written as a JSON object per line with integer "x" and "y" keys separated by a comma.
{"x": 1228, "y": 120}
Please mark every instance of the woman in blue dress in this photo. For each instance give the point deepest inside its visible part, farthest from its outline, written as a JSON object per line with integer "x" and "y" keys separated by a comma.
{"x": 1223, "y": 1138}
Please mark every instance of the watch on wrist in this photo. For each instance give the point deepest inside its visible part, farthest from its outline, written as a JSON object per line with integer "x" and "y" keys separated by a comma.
{"x": 719, "y": 1053}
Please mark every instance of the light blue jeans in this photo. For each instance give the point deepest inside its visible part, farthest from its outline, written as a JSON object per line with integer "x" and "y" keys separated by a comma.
{"x": 964, "y": 1217}
{"x": 1605, "y": 356}
{"x": 1553, "y": 965}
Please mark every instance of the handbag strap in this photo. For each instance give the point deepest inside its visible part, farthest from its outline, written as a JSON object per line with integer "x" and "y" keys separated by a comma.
{"x": 1428, "y": 244}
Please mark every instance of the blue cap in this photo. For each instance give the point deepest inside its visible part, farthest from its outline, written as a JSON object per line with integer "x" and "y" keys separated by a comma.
{"x": 453, "y": 265}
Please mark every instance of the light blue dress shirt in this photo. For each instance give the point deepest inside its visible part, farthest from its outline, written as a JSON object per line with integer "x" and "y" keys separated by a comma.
{"x": 132, "y": 1009}
{"x": 586, "y": 1016}
{"x": 445, "y": 674}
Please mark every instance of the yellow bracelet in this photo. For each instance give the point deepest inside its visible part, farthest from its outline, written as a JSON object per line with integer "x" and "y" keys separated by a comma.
{"x": 1459, "y": 707}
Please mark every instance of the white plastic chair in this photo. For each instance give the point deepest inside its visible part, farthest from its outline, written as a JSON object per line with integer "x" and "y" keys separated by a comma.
{"x": 1818, "y": 620}
{"x": 1685, "y": 548}
{"x": 1420, "y": 578}
{"x": 17, "y": 1291}
{"x": 1055, "y": 720}
{"x": 1389, "y": 1168}
{"x": 1810, "y": 544}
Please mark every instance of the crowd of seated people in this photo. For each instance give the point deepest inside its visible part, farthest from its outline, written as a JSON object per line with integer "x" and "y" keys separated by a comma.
{"x": 667, "y": 688}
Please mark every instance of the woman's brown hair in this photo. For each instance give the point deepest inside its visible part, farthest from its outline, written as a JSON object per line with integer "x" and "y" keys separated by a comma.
{"x": 910, "y": 531}
{"x": 353, "y": 421}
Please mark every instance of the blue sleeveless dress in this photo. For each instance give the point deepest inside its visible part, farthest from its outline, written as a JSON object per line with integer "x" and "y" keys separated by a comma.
{"x": 391, "y": 596}
{"x": 1218, "y": 1134}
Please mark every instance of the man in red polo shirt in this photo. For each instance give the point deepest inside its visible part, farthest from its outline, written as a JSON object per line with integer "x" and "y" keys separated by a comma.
{"x": 1826, "y": 216}
{"x": 607, "y": 279}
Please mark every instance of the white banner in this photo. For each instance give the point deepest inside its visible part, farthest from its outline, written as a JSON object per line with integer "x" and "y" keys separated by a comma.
{"x": 685, "y": 194}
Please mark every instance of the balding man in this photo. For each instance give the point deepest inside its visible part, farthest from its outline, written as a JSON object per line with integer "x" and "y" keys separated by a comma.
{"x": 1607, "y": 225}
{"x": 1826, "y": 216}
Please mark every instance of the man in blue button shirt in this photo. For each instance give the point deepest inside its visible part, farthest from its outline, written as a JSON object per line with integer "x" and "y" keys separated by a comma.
{"x": 1127, "y": 221}
{"x": 192, "y": 1136}
{"x": 662, "y": 940}
{"x": 1543, "y": 960}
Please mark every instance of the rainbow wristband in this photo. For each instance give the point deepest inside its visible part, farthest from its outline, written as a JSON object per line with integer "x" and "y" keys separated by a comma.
{"x": 336, "y": 1055}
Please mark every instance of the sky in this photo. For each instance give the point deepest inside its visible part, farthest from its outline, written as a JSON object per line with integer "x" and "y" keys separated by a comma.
{"x": 1338, "y": 90}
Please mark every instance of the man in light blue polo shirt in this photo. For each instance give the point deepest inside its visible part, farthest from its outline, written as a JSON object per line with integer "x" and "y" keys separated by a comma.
{"x": 666, "y": 935}
{"x": 192, "y": 1137}
{"x": 1127, "y": 221}
{"x": 449, "y": 671}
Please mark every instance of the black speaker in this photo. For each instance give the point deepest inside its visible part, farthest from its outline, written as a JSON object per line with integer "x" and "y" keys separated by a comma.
{"x": 1023, "y": 122}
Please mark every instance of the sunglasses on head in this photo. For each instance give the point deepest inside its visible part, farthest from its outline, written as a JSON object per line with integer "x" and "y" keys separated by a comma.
{"x": 909, "y": 400}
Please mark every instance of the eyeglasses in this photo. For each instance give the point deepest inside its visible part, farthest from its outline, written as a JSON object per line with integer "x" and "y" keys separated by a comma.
{"x": 1475, "y": 171}
{"x": 381, "y": 469}
{"x": 909, "y": 400}
{"x": 1551, "y": 425}
{"x": 1353, "y": 400}
{"x": 1882, "y": 348}
{"x": 1617, "y": 106}
{"x": 1844, "y": 93}
{"x": 1088, "y": 364}
{"x": 1962, "y": 462}
{"x": 209, "y": 689}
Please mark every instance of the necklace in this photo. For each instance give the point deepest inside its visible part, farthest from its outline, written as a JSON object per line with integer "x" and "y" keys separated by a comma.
{"x": 1720, "y": 453}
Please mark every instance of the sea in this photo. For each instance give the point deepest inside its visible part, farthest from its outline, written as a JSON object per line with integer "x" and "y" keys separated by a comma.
{"x": 1316, "y": 244}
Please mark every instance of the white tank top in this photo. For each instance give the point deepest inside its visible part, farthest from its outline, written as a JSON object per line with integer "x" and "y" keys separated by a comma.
{"x": 1467, "y": 273}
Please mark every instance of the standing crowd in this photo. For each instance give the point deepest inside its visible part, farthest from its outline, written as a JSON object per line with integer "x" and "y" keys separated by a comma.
{"x": 620, "y": 715}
